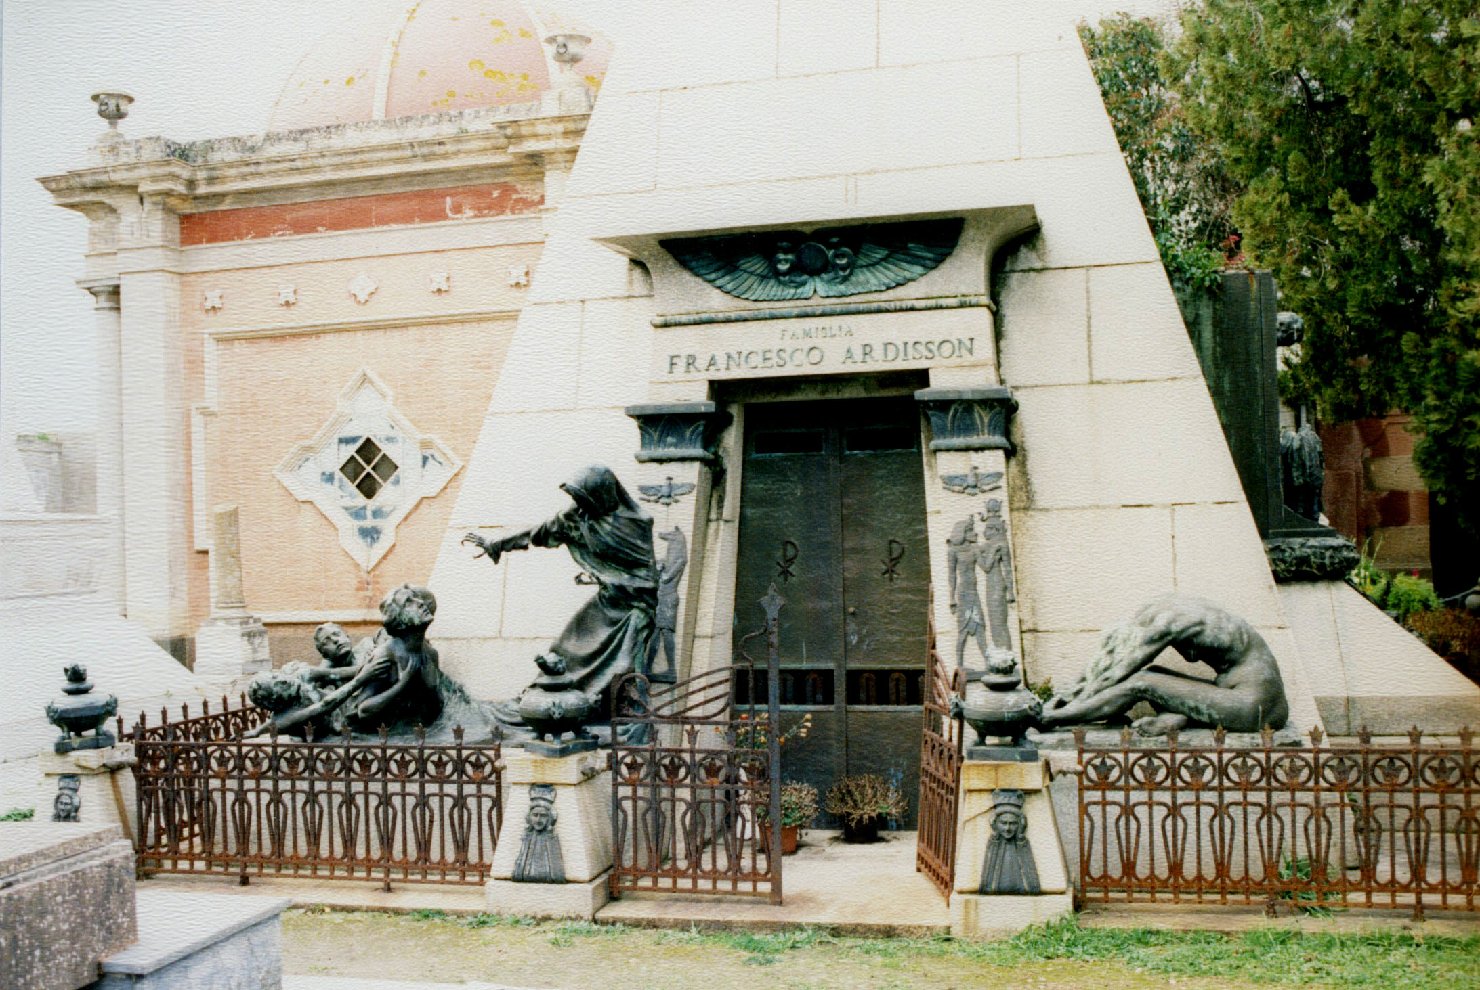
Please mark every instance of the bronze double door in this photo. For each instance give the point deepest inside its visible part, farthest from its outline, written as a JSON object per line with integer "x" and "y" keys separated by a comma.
{"x": 833, "y": 512}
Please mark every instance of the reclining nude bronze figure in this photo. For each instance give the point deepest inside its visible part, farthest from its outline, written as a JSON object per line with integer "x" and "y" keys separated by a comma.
{"x": 1246, "y": 694}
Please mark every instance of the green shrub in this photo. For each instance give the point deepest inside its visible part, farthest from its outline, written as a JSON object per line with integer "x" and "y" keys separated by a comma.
{"x": 1407, "y": 594}
{"x": 18, "y": 815}
{"x": 1371, "y": 580}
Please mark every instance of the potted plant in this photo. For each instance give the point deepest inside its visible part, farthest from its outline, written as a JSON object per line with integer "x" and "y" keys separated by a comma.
{"x": 798, "y": 810}
{"x": 863, "y": 801}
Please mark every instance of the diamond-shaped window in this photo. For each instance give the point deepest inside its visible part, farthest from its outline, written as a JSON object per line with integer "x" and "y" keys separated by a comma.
{"x": 369, "y": 468}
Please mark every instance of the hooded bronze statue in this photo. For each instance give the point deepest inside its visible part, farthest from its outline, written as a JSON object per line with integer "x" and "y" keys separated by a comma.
{"x": 611, "y": 539}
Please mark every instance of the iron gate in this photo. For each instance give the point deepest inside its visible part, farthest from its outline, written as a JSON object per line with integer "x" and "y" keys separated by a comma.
{"x": 940, "y": 776}
{"x": 696, "y": 775}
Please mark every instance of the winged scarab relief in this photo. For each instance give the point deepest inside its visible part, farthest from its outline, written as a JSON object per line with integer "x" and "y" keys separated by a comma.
{"x": 973, "y": 482}
{"x": 665, "y": 494}
{"x": 776, "y": 265}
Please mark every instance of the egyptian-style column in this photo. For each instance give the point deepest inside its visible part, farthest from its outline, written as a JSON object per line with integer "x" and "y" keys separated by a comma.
{"x": 1010, "y": 868}
{"x": 232, "y": 643}
{"x": 976, "y": 596}
{"x": 676, "y": 454}
{"x": 110, "y": 479}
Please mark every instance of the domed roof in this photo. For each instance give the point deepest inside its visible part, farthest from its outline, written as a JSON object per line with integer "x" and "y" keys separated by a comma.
{"x": 407, "y": 57}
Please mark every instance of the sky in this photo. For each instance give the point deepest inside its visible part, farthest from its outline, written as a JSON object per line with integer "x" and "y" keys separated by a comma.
{"x": 198, "y": 69}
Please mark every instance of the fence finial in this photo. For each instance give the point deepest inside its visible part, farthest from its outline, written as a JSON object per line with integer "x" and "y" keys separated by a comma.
{"x": 1316, "y": 735}
{"x": 1220, "y": 734}
{"x": 1415, "y": 735}
{"x": 1266, "y": 735}
{"x": 1466, "y": 736}
{"x": 1364, "y": 736}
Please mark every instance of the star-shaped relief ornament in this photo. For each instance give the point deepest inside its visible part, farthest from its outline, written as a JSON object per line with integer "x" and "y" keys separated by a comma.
{"x": 362, "y": 287}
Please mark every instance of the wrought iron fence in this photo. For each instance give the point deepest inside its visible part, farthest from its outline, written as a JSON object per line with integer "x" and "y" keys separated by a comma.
{"x": 338, "y": 809}
{"x": 1328, "y": 825}
{"x": 940, "y": 777}
{"x": 696, "y": 774}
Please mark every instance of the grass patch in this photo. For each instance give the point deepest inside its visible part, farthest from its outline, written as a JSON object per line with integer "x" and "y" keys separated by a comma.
{"x": 1389, "y": 960}
{"x": 565, "y": 933}
{"x": 1397, "y": 960}
{"x": 491, "y": 921}
{"x": 18, "y": 815}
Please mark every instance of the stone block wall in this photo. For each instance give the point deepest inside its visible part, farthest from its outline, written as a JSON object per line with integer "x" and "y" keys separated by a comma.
{"x": 1373, "y": 492}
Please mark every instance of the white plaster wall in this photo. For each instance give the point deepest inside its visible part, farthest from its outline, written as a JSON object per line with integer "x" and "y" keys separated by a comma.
{"x": 572, "y": 368}
{"x": 813, "y": 113}
{"x": 1373, "y": 672}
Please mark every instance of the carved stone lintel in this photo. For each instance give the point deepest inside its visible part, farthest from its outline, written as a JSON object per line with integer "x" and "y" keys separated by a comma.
{"x": 777, "y": 265}
{"x": 1311, "y": 558}
{"x": 969, "y": 418}
{"x": 678, "y": 431}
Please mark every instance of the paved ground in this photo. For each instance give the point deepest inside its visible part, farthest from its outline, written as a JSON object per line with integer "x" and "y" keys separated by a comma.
{"x": 828, "y": 884}
{"x": 359, "y": 983}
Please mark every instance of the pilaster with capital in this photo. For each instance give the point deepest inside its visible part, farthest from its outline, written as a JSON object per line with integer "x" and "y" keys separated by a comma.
{"x": 110, "y": 478}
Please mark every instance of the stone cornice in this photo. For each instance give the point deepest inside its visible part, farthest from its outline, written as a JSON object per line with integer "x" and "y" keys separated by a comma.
{"x": 342, "y": 160}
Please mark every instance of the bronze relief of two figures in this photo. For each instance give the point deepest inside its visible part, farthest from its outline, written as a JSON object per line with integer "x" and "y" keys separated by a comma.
{"x": 991, "y": 555}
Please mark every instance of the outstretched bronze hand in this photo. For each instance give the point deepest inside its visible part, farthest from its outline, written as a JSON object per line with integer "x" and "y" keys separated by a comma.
{"x": 493, "y": 549}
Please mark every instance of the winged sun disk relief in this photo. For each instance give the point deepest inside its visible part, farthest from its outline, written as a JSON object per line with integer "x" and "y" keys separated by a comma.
{"x": 830, "y": 262}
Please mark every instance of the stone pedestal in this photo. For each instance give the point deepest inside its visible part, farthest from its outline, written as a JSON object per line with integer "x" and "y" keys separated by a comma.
{"x": 987, "y": 788}
{"x": 231, "y": 647}
{"x": 101, "y": 783}
{"x": 232, "y": 643}
{"x": 577, "y": 792}
{"x": 66, "y": 900}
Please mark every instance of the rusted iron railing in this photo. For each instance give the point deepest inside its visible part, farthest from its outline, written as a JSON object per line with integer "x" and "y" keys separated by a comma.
{"x": 1330, "y": 825}
{"x": 337, "y": 809}
{"x": 940, "y": 776}
{"x": 696, "y": 774}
